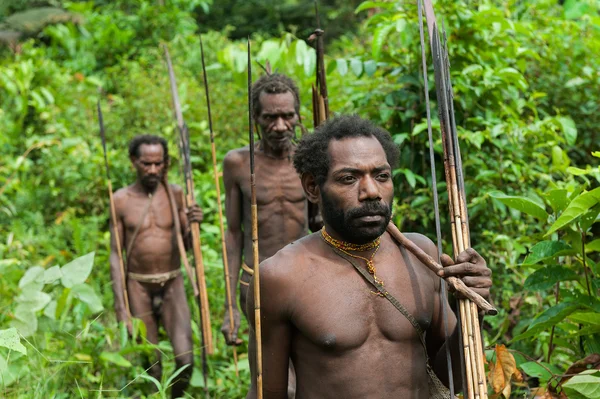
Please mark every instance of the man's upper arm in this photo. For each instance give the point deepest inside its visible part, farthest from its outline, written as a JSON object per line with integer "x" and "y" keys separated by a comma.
{"x": 233, "y": 194}
{"x": 119, "y": 202}
{"x": 436, "y": 335}
{"x": 276, "y": 329}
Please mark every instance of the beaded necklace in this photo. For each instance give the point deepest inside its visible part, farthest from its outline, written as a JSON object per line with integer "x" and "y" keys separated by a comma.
{"x": 344, "y": 247}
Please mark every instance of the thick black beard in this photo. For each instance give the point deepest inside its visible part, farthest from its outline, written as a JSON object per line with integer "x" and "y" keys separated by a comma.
{"x": 346, "y": 225}
{"x": 150, "y": 184}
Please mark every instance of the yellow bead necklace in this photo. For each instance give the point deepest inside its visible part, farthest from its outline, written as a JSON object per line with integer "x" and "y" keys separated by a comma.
{"x": 344, "y": 247}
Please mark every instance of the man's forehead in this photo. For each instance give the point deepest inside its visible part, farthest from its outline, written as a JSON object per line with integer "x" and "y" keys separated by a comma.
{"x": 151, "y": 150}
{"x": 277, "y": 102}
{"x": 357, "y": 153}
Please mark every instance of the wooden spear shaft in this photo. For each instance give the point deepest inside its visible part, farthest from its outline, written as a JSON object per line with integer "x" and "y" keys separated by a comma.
{"x": 220, "y": 208}
{"x": 190, "y": 201}
{"x": 256, "y": 261}
{"x": 113, "y": 215}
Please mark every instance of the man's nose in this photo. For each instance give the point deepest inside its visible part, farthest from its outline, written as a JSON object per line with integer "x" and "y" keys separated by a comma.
{"x": 153, "y": 169}
{"x": 279, "y": 125}
{"x": 369, "y": 190}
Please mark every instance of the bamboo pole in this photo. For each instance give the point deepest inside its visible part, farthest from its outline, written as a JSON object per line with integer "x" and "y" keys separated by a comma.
{"x": 184, "y": 149}
{"x": 468, "y": 313}
{"x": 113, "y": 215}
{"x": 256, "y": 261}
{"x": 220, "y": 208}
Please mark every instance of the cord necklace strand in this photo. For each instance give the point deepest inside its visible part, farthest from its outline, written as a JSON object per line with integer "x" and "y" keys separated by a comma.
{"x": 344, "y": 247}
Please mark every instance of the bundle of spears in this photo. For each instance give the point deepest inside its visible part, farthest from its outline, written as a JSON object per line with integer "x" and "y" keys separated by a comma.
{"x": 474, "y": 382}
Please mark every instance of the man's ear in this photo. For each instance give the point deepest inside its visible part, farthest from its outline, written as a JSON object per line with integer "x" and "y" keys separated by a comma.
{"x": 311, "y": 188}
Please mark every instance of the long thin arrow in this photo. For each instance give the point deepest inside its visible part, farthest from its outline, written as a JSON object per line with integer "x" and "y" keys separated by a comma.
{"x": 202, "y": 296}
{"x": 220, "y": 207}
{"x": 254, "y": 212}
{"x": 113, "y": 214}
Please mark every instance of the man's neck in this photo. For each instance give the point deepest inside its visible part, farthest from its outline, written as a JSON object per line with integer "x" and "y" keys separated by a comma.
{"x": 267, "y": 150}
{"x": 142, "y": 189}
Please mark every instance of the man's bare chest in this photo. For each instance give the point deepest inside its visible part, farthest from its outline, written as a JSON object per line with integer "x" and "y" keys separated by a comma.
{"x": 275, "y": 183}
{"x": 148, "y": 213}
{"x": 343, "y": 312}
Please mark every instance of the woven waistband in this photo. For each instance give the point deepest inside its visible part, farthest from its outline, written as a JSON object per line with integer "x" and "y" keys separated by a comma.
{"x": 247, "y": 269}
{"x": 156, "y": 278}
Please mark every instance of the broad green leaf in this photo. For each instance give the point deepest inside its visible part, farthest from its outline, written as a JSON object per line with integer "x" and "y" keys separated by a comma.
{"x": 10, "y": 339}
{"x": 33, "y": 300}
{"x": 379, "y": 38}
{"x": 558, "y": 199}
{"x": 596, "y": 154}
{"x": 370, "y": 67}
{"x": 541, "y": 370}
{"x": 115, "y": 358}
{"x": 86, "y": 294}
{"x": 586, "y": 318}
{"x": 578, "y": 171}
{"x": 547, "y": 277}
{"x": 300, "y": 50}
{"x": 342, "y": 66}
{"x": 52, "y": 274}
{"x": 50, "y": 310}
{"x": 77, "y": 271}
{"x": 33, "y": 277}
{"x": 593, "y": 246}
{"x": 357, "y": 66}
{"x": 366, "y": 5}
{"x": 584, "y": 385}
{"x": 576, "y": 208}
{"x": 523, "y": 204}
{"x": 548, "y": 318}
{"x": 25, "y": 322}
{"x": 589, "y": 218}
{"x": 569, "y": 129}
{"x": 547, "y": 250}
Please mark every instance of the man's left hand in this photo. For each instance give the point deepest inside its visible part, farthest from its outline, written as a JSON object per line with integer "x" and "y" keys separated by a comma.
{"x": 195, "y": 214}
{"x": 471, "y": 268}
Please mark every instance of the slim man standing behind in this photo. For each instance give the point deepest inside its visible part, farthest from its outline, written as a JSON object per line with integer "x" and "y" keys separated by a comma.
{"x": 283, "y": 211}
{"x": 145, "y": 225}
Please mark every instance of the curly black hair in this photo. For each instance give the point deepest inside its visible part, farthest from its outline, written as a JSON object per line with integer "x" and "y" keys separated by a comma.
{"x": 137, "y": 141}
{"x": 275, "y": 83}
{"x": 312, "y": 154}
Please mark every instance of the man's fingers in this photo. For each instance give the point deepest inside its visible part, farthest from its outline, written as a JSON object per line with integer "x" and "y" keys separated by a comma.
{"x": 446, "y": 260}
{"x": 469, "y": 255}
{"x": 477, "y": 282}
{"x": 463, "y": 269}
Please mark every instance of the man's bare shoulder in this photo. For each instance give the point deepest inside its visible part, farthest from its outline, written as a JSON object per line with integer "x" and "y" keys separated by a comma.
{"x": 423, "y": 242}
{"x": 236, "y": 157}
{"x": 121, "y": 195}
{"x": 291, "y": 259}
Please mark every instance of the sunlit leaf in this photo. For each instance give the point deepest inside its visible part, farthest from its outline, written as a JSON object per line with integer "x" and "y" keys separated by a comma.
{"x": 10, "y": 339}
{"x": 523, "y": 204}
{"x": 576, "y": 208}
{"x": 115, "y": 358}
{"x": 86, "y": 294}
{"x": 584, "y": 385}
{"x": 379, "y": 38}
{"x": 342, "y": 66}
{"x": 569, "y": 129}
{"x": 558, "y": 199}
{"x": 547, "y": 250}
{"x": 77, "y": 271}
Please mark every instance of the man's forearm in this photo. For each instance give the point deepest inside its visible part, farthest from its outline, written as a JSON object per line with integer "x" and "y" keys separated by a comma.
{"x": 118, "y": 287}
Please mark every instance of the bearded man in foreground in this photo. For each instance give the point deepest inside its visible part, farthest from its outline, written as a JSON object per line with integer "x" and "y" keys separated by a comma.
{"x": 344, "y": 338}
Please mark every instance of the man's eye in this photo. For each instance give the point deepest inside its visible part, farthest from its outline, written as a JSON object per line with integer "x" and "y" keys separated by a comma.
{"x": 348, "y": 179}
{"x": 383, "y": 176}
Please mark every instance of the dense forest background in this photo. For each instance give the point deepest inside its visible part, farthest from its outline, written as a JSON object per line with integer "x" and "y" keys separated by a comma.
{"x": 526, "y": 77}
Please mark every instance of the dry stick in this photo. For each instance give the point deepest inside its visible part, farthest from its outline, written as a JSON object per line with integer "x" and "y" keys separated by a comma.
{"x": 190, "y": 201}
{"x": 178, "y": 234}
{"x": 434, "y": 266}
{"x": 254, "y": 211}
{"x": 220, "y": 208}
{"x": 113, "y": 215}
